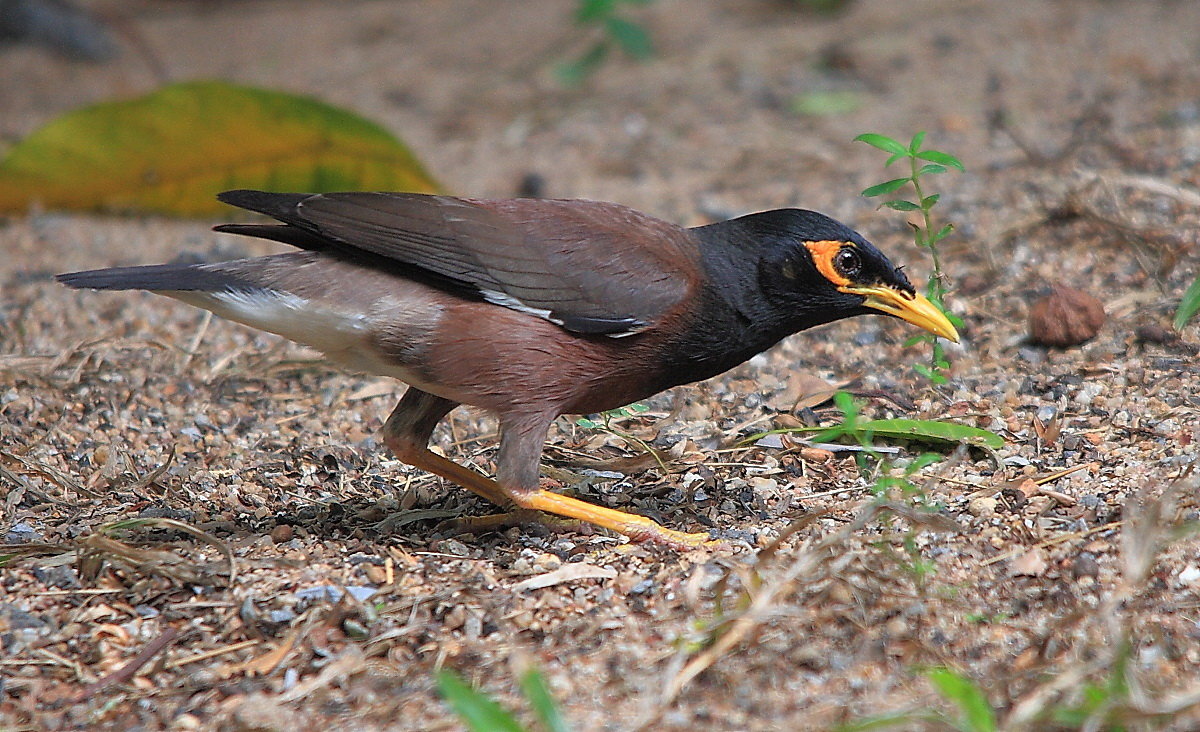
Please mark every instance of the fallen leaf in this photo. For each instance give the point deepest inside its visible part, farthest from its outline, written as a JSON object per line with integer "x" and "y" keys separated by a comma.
{"x": 566, "y": 573}
{"x": 173, "y": 150}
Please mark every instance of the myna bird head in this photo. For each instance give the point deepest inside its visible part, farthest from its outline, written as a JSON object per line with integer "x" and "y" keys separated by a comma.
{"x": 826, "y": 271}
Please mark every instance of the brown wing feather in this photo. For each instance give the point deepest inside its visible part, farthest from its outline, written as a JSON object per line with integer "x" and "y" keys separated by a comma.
{"x": 588, "y": 266}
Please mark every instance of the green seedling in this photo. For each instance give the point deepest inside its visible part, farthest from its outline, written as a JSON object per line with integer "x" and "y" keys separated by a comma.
{"x": 922, "y": 163}
{"x": 605, "y": 424}
{"x": 614, "y": 31}
{"x": 481, "y": 713}
{"x": 1189, "y": 305}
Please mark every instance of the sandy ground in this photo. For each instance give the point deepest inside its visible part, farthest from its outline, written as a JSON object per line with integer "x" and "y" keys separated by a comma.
{"x": 1080, "y": 128}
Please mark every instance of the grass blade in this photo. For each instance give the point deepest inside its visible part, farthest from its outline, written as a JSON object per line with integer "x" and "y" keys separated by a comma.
{"x": 476, "y": 710}
{"x": 543, "y": 704}
{"x": 1189, "y": 305}
{"x": 978, "y": 713}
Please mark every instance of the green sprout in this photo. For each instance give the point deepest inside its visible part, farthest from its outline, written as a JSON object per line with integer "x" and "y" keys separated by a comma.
{"x": 605, "y": 424}
{"x": 614, "y": 30}
{"x": 1189, "y": 305}
{"x": 480, "y": 713}
{"x": 921, "y": 163}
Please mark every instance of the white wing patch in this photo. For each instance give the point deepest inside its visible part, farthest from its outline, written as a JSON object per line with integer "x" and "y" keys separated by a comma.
{"x": 508, "y": 301}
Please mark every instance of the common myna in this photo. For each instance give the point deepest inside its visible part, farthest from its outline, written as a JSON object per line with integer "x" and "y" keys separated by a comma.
{"x": 531, "y": 309}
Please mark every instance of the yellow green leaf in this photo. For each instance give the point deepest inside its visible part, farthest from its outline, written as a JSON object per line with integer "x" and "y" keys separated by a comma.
{"x": 173, "y": 150}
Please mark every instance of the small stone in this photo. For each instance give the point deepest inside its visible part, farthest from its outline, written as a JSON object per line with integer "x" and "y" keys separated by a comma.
{"x": 1190, "y": 574}
{"x": 983, "y": 506}
{"x": 1065, "y": 317}
{"x": 375, "y": 574}
{"x": 282, "y": 533}
{"x": 326, "y": 593}
{"x": 1085, "y": 565}
{"x": 60, "y": 576}
{"x": 22, "y": 533}
{"x": 1030, "y": 564}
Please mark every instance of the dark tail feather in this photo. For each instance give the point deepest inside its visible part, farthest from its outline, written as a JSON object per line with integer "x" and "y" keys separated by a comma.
{"x": 274, "y": 232}
{"x": 280, "y": 206}
{"x": 151, "y": 277}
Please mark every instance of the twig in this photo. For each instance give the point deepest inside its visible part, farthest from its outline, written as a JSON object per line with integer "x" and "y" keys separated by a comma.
{"x": 211, "y": 654}
{"x": 194, "y": 344}
{"x": 126, "y": 672}
{"x": 1050, "y": 542}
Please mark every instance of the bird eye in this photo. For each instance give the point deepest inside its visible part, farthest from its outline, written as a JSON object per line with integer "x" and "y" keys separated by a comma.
{"x": 847, "y": 262}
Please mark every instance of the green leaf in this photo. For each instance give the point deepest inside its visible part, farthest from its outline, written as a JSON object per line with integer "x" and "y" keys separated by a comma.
{"x": 941, "y": 158}
{"x": 591, "y": 11}
{"x": 543, "y": 704}
{"x": 901, "y": 205}
{"x": 978, "y": 713}
{"x": 847, "y": 405}
{"x": 883, "y": 142}
{"x": 886, "y": 187}
{"x": 1189, "y": 305}
{"x": 173, "y": 150}
{"x": 638, "y": 408}
{"x": 932, "y": 198}
{"x": 931, "y": 169}
{"x": 891, "y": 721}
{"x": 915, "y": 145}
{"x": 894, "y": 158}
{"x": 923, "y": 461}
{"x": 585, "y": 422}
{"x": 825, "y": 103}
{"x": 923, "y": 430}
{"x": 572, "y": 73}
{"x": 476, "y": 710}
{"x": 941, "y": 233}
{"x": 918, "y": 338}
{"x": 631, "y": 37}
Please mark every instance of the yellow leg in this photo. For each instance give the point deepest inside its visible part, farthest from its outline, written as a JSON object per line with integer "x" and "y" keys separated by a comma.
{"x": 407, "y": 433}
{"x": 637, "y": 528}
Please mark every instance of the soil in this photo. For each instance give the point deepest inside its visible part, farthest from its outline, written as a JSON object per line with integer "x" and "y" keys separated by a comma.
{"x": 288, "y": 574}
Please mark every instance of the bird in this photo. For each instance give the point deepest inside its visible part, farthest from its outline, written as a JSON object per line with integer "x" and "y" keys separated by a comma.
{"x": 531, "y": 309}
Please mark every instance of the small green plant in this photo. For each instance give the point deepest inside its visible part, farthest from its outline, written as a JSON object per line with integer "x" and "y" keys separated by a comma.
{"x": 614, "y": 30}
{"x": 975, "y": 712}
{"x": 922, "y": 163}
{"x": 605, "y": 425}
{"x": 1189, "y": 305}
{"x": 889, "y": 480}
{"x": 480, "y": 713}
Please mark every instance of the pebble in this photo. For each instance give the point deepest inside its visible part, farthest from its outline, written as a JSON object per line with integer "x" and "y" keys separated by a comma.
{"x": 983, "y": 506}
{"x": 22, "y": 533}
{"x": 1085, "y": 565}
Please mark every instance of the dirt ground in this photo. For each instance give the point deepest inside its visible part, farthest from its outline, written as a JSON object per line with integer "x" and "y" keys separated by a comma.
{"x": 306, "y": 584}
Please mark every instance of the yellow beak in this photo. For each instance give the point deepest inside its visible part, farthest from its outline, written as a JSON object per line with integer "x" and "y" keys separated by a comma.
{"x": 915, "y": 308}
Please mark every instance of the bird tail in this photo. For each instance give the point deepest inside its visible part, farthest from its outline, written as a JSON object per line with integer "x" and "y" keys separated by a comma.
{"x": 157, "y": 277}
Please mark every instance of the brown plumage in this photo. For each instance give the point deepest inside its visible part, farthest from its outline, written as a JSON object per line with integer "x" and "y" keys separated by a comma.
{"x": 531, "y": 308}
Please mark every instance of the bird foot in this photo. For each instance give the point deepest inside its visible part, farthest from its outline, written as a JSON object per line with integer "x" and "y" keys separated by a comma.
{"x": 521, "y": 517}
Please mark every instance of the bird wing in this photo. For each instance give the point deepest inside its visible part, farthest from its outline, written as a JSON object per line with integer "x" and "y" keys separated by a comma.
{"x": 589, "y": 267}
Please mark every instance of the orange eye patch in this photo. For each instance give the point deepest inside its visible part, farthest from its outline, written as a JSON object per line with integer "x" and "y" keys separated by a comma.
{"x": 823, "y": 253}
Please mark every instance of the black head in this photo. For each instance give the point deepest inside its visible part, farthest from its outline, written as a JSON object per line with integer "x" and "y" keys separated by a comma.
{"x": 813, "y": 269}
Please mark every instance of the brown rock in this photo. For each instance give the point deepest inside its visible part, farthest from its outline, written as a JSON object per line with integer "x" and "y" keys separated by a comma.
{"x": 1065, "y": 317}
{"x": 281, "y": 534}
